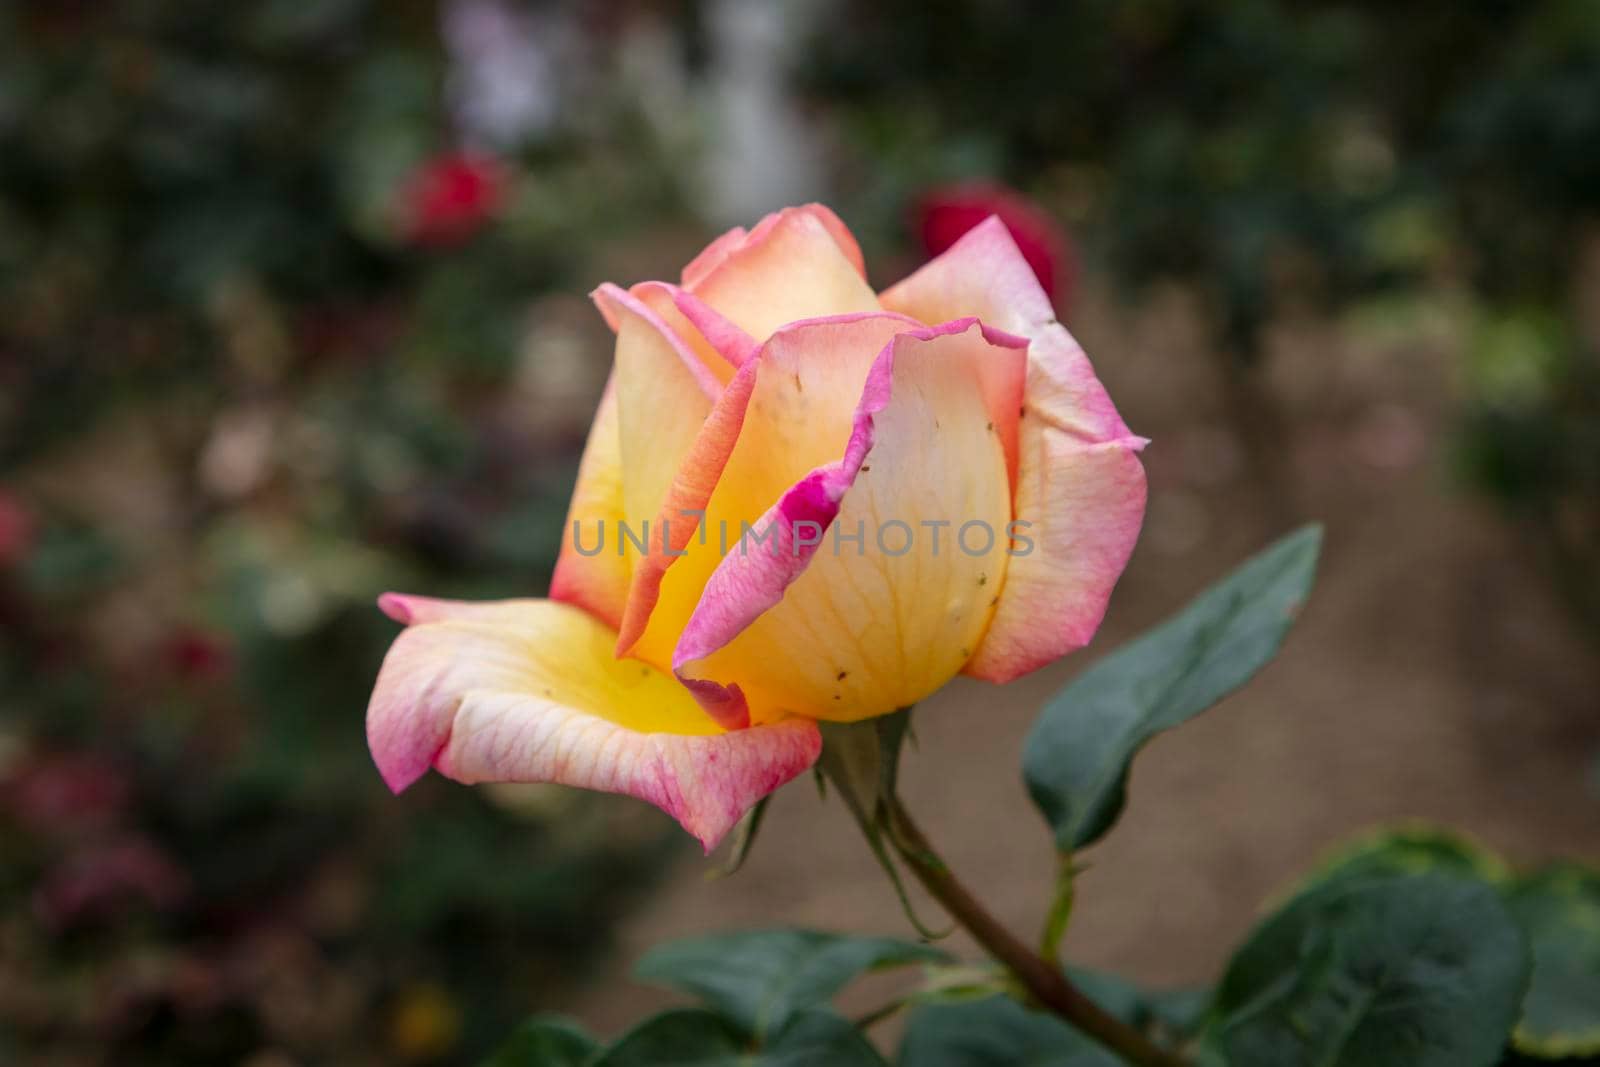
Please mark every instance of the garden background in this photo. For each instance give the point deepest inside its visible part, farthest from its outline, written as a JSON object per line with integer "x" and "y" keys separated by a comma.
{"x": 292, "y": 312}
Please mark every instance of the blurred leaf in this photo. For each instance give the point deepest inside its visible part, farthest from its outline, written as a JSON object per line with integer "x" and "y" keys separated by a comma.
{"x": 1559, "y": 910}
{"x": 693, "y": 1038}
{"x": 546, "y": 1041}
{"x": 1388, "y": 971}
{"x": 761, "y": 978}
{"x": 1078, "y": 753}
{"x": 1416, "y": 849}
{"x": 994, "y": 1031}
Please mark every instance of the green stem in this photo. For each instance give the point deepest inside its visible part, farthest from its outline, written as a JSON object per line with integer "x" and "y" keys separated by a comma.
{"x": 1047, "y": 984}
{"x": 1055, "y": 924}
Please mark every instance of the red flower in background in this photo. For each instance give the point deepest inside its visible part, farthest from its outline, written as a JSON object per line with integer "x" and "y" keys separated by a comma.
{"x": 16, "y": 529}
{"x": 450, "y": 197}
{"x": 197, "y": 654}
{"x": 944, "y": 214}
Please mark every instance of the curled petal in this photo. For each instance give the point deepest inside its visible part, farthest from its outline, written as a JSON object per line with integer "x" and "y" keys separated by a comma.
{"x": 528, "y": 691}
{"x": 678, "y": 520}
{"x": 837, "y": 629}
{"x": 805, "y": 386}
{"x": 730, "y": 342}
{"x": 1080, "y": 488}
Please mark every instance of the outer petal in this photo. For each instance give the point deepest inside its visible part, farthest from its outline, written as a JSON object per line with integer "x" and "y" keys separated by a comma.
{"x": 1079, "y": 483}
{"x": 792, "y": 266}
{"x": 588, "y": 573}
{"x": 673, "y": 306}
{"x": 864, "y": 626}
{"x": 528, "y": 691}
{"x": 664, "y": 394}
{"x": 659, "y": 393}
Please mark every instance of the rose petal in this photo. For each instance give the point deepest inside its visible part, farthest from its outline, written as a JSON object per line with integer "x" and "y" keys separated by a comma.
{"x": 719, "y": 250}
{"x": 792, "y": 266}
{"x": 805, "y": 386}
{"x": 589, "y": 571}
{"x": 859, "y": 629}
{"x": 1079, "y": 482}
{"x": 677, "y": 522}
{"x": 528, "y": 691}
{"x": 667, "y": 302}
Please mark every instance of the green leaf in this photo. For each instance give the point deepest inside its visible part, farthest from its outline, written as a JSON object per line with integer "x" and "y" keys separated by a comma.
{"x": 1559, "y": 910}
{"x": 1375, "y": 971}
{"x": 687, "y": 1036}
{"x": 1411, "y": 849}
{"x": 545, "y": 1041}
{"x": 996, "y": 1030}
{"x": 1077, "y": 755}
{"x": 1180, "y": 1012}
{"x": 694, "y": 1038}
{"x": 759, "y": 979}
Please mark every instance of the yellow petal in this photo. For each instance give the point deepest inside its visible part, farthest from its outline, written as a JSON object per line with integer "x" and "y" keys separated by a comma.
{"x": 895, "y": 597}
{"x": 790, "y": 267}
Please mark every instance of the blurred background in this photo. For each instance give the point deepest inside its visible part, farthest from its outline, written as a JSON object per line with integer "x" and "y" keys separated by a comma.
{"x": 292, "y": 312}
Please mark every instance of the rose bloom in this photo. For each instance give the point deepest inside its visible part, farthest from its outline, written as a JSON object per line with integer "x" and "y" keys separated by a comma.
{"x": 945, "y": 213}
{"x": 450, "y": 198}
{"x": 772, "y": 390}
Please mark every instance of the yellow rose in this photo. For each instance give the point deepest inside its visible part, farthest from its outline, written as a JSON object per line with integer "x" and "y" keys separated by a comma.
{"x": 800, "y": 500}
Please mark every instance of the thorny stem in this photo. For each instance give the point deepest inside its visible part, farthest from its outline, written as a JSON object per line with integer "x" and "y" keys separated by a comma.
{"x": 1047, "y": 984}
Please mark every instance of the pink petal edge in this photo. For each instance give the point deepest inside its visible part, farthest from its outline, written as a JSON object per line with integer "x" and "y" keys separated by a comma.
{"x": 436, "y": 704}
{"x": 612, "y": 300}
{"x": 1079, "y": 479}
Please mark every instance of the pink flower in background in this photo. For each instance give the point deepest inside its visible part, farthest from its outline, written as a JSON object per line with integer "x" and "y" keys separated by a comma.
{"x": 69, "y": 791}
{"x": 104, "y": 878}
{"x": 944, "y": 214}
{"x": 772, "y": 390}
{"x": 450, "y": 198}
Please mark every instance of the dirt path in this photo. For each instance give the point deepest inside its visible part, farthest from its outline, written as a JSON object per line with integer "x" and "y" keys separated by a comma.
{"x": 1433, "y": 677}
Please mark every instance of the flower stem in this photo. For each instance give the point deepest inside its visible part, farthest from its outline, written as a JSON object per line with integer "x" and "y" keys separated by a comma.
{"x": 1047, "y": 984}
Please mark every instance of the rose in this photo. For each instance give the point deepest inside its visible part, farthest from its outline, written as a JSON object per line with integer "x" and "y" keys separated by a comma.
{"x": 945, "y": 213}
{"x": 773, "y": 389}
{"x": 450, "y": 197}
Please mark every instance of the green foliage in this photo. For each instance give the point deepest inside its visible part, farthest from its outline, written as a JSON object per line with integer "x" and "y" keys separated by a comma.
{"x": 1420, "y": 970}
{"x": 993, "y": 1031}
{"x": 546, "y": 1041}
{"x": 759, "y": 980}
{"x": 1078, "y": 753}
{"x": 702, "y": 1039}
{"x": 1559, "y": 909}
